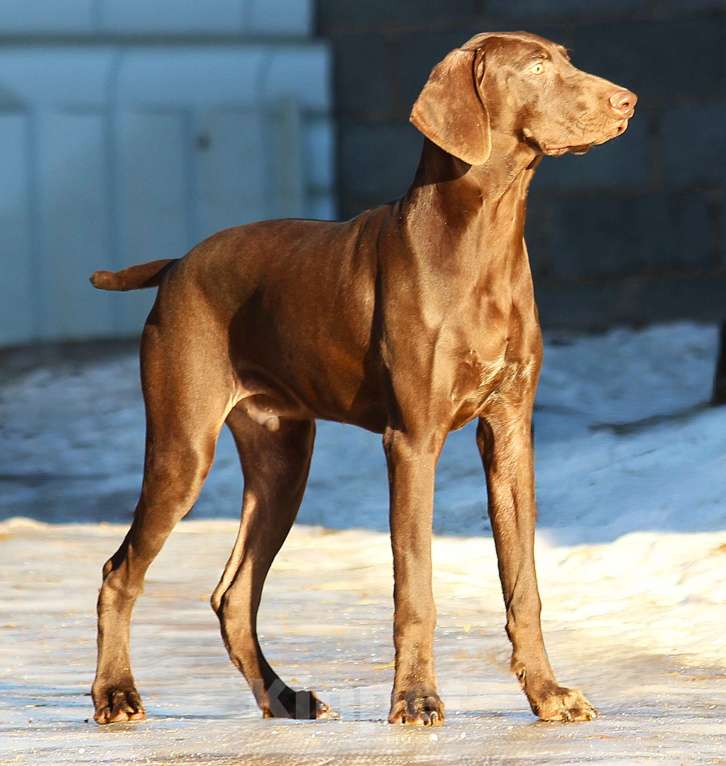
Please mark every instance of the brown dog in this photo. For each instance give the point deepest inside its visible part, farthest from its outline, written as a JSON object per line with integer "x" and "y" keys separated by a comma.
{"x": 410, "y": 320}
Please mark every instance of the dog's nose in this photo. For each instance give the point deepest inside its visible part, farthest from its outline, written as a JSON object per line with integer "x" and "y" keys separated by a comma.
{"x": 622, "y": 102}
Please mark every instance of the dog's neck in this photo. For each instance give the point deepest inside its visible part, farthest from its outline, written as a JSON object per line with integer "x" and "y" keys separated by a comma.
{"x": 508, "y": 160}
{"x": 486, "y": 203}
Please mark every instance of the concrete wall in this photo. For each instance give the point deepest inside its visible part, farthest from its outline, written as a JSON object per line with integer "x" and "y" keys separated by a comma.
{"x": 635, "y": 230}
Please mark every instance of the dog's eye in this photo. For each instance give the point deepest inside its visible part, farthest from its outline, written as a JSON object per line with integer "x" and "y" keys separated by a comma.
{"x": 537, "y": 68}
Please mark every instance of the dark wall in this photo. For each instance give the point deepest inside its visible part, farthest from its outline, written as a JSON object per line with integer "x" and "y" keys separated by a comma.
{"x": 633, "y": 231}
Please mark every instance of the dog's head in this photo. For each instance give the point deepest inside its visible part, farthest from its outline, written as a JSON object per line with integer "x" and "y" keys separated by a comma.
{"x": 520, "y": 85}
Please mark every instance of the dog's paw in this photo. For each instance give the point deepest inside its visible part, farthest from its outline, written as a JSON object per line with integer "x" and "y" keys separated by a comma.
{"x": 417, "y": 709}
{"x": 291, "y": 704}
{"x": 558, "y": 703}
{"x": 117, "y": 704}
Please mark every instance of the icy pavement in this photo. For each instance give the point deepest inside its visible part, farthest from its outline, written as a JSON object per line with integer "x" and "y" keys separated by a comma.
{"x": 631, "y": 560}
{"x": 638, "y": 624}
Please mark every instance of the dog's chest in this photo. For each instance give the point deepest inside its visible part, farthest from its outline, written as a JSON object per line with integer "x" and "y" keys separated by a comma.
{"x": 480, "y": 378}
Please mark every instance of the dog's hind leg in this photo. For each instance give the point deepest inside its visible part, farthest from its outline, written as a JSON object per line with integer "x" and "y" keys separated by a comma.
{"x": 275, "y": 466}
{"x": 188, "y": 392}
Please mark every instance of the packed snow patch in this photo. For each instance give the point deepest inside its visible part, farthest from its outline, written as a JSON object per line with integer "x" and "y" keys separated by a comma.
{"x": 74, "y": 437}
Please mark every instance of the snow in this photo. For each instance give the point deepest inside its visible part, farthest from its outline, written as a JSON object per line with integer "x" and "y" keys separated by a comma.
{"x": 631, "y": 559}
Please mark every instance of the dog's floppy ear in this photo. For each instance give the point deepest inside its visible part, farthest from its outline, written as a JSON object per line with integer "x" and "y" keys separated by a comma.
{"x": 450, "y": 111}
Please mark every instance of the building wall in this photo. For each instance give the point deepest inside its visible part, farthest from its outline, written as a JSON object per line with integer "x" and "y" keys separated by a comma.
{"x": 130, "y": 130}
{"x": 633, "y": 231}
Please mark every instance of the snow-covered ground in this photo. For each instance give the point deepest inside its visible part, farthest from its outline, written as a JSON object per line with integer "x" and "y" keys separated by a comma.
{"x": 631, "y": 560}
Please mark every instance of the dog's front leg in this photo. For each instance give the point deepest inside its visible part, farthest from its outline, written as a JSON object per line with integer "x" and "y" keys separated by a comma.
{"x": 505, "y": 442}
{"x": 411, "y": 467}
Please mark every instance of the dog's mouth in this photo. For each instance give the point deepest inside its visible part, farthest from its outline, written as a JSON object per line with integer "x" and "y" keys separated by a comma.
{"x": 552, "y": 150}
{"x": 558, "y": 151}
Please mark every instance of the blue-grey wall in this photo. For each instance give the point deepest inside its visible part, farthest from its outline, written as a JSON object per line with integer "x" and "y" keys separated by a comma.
{"x": 131, "y": 129}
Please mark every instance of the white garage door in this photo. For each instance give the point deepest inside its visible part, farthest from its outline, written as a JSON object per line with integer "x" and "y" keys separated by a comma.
{"x": 111, "y": 157}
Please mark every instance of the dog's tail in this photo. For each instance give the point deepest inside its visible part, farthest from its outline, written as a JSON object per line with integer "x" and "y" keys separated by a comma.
{"x": 134, "y": 277}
